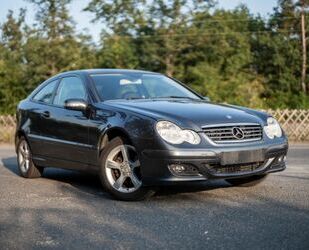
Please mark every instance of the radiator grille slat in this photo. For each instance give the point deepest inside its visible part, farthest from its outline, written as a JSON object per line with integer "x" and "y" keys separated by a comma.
{"x": 224, "y": 134}
{"x": 235, "y": 168}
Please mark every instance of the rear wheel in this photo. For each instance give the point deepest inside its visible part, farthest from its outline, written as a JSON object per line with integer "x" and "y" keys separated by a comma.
{"x": 121, "y": 171}
{"x": 247, "y": 181}
{"x": 26, "y": 166}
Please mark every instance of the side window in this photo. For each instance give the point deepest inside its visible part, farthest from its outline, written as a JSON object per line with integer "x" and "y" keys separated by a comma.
{"x": 46, "y": 93}
{"x": 70, "y": 88}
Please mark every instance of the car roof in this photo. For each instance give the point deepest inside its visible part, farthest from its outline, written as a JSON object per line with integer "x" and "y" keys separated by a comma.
{"x": 105, "y": 71}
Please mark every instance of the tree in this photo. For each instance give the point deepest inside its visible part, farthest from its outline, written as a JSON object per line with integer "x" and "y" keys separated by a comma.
{"x": 12, "y": 68}
{"x": 223, "y": 64}
{"x": 53, "y": 18}
{"x": 57, "y": 46}
{"x": 29, "y": 56}
{"x": 231, "y": 56}
{"x": 154, "y": 29}
{"x": 278, "y": 57}
{"x": 54, "y": 37}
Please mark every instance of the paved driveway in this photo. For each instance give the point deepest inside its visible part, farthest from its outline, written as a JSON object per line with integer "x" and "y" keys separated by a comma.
{"x": 66, "y": 209}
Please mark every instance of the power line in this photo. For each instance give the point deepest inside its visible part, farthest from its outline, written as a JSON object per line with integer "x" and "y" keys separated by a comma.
{"x": 238, "y": 19}
{"x": 202, "y": 34}
{"x": 227, "y": 20}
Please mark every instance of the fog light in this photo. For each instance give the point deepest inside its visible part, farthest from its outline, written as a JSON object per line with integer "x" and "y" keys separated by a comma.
{"x": 176, "y": 168}
{"x": 183, "y": 169}
{"x": 281, "y": 158}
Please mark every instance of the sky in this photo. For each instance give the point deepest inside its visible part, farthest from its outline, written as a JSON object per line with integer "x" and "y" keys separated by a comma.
{"x": 83, "y": 19}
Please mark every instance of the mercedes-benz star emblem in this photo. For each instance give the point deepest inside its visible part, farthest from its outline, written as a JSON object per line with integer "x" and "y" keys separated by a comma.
{"x": 238, "y": 133}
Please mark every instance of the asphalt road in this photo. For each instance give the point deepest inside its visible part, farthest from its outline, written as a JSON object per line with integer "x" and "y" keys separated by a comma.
{"x": 66, "y": 209}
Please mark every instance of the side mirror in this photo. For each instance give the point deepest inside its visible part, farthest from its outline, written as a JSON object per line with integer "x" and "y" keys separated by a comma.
{"x": 206, "y": 98}
{"x": 76, "y": 104}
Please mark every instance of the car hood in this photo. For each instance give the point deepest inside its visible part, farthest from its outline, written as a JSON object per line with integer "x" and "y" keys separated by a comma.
{"x": 190, "y": 113}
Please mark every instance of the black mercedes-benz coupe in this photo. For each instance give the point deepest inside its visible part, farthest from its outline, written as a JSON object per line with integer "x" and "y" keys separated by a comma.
{"x": 140, "y": 130}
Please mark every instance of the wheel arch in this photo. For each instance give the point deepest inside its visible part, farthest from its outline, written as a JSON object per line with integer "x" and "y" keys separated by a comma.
{"x": 112, "y": 133}
{"x": 19, "y": 133}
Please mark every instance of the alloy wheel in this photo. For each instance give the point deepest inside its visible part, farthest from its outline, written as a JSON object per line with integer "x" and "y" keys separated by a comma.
{"x": 122, "y": 169}
{"x": 24, "y": 156}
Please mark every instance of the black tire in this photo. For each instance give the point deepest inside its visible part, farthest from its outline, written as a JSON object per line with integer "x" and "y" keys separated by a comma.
{"x": 31, "y": 171}
{"x": 140, "y": 193}
{"x": 247, "y": 181}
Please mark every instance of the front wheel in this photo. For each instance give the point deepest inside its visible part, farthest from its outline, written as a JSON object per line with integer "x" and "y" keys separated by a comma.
{"x": 247, "y": 181}
{"x": 120, "y": 171}
{"x": 26, "y": 166}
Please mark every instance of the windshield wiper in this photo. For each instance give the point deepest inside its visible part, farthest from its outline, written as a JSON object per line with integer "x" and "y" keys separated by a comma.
{"x": 135, "y": 98}
{"x": 162, "y": 97}
{"x": 176, "y": 97}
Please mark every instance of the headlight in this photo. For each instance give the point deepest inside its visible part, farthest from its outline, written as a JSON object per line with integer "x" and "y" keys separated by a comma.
{"x": 175, "y": 135}
{"x": 273, "y": 128}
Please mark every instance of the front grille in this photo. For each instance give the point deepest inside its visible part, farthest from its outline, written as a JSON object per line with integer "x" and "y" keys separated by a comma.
{"x": 234, "y": 168}
{"x": 226, "y": 133}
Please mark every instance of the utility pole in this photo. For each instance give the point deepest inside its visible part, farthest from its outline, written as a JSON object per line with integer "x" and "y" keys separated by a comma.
{"x": 303, "y": 36}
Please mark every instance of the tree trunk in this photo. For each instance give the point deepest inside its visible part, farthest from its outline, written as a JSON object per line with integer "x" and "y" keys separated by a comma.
{"x": 169, "y": 65}
{"x": 303, "y": 36}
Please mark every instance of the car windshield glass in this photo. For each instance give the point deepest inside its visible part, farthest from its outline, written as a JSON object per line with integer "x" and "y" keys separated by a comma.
{"x": 139, "y": 86}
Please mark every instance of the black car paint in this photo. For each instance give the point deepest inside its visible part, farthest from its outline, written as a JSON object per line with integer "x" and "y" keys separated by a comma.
{"x": 64, "y": 138}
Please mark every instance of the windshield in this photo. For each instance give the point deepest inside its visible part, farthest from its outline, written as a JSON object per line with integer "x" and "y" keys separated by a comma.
{"x": 139, "y": 86}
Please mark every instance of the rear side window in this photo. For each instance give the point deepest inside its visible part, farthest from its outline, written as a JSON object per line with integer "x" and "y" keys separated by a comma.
{"x": 46, "y": 93}
{"x": 70, "y": 88}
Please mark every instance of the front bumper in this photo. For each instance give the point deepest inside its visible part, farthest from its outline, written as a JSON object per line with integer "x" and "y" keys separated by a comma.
{"x": 208, "y": 163}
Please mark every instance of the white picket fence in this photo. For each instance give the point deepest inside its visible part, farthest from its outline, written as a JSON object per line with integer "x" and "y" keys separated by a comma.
{"x": 295, "y": 123}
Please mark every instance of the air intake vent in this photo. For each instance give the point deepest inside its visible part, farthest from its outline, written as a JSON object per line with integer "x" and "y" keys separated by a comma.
{"x": 236, "y": 168}
{"x": 234, "y": 133}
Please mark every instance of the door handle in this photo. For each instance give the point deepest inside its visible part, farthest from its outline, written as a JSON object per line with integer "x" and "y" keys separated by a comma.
{"x": 45, "y": 114}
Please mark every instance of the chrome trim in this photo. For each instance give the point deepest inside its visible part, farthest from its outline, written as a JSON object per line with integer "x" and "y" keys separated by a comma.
{"x": 236, "y": 141}
{"x": 230, "y": 124}
{"x": 239, "y": 143}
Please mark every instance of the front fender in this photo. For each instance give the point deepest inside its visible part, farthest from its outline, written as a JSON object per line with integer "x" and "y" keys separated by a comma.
{"x": 138, "y": 129}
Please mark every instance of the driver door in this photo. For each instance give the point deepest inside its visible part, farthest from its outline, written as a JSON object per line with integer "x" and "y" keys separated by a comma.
{"x": 66, "y": 131}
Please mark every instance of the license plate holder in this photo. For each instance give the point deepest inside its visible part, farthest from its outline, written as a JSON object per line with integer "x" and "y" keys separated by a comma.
{"x": 239, "y": 157}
